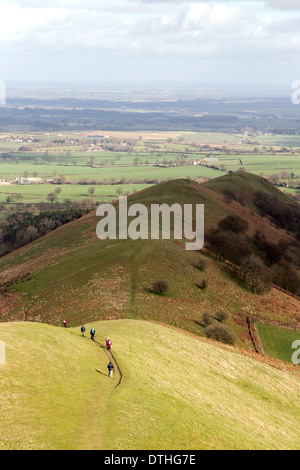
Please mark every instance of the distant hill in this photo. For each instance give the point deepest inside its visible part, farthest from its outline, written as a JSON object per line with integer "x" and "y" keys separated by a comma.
{"x": 71, "y": 273}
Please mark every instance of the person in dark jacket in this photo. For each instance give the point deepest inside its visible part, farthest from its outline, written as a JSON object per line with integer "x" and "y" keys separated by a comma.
{"x": 110, "y": 369}
{"x": 83, "y": 330}
{"x": 92, "y": 333}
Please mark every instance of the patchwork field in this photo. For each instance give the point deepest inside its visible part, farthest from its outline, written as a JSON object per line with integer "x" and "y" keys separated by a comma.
{"x": 130, "y": 161}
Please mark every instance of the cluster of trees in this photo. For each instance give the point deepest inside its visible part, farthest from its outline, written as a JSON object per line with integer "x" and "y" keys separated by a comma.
{"x": 283, "y": 216}
{"x": 61, "y": 179}
{"x": 21, "y": 228}
{"x": 230, "y": 196}
{"x": 255, "y": 260}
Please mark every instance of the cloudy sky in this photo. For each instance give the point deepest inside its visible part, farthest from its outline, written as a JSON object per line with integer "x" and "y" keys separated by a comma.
{"x": 210, "y": 42}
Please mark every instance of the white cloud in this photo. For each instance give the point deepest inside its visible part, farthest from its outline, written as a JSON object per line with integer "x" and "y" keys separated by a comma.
{"x": 142, "y": 30}
{"x": 97, "y": 4}
{"x": 194, "y": 29}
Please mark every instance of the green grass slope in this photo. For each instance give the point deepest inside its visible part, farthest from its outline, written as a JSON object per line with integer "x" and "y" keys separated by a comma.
{"x": 69, "y": 272}
{"x": 247, "y": 185}
{"x": 49, "y": 388}
{"x": 277, "y": 342}
{"x": 177, "y": 392}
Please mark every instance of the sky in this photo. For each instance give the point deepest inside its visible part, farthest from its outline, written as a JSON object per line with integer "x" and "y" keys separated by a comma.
{"x": 227, "y": 42}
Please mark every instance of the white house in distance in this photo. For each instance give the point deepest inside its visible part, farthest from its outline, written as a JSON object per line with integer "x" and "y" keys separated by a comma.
{"x": 28, "y": 181}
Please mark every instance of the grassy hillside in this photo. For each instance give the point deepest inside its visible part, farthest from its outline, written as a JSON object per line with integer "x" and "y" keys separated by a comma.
{"x": 70, "y": 272}
{"x": 49, "y": 387}
{"x": 177, "y": 392}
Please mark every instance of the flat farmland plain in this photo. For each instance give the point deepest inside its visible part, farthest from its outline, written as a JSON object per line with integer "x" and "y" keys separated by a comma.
{"x": 125, "y": 162}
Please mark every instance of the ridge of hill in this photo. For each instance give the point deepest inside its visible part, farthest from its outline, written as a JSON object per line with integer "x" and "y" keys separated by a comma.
{"x": 71, "y": 273}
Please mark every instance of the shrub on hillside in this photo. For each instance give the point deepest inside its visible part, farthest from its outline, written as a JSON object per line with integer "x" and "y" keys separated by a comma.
{"x": 229, "y": 196}
{"x": 160, "y": 287}
{"x": 203, "y": 284}
{"x": 233, "y": 223}
{"x": 207, "y": 319}
{"x": 221, "y": 316}
{"x": 201, "y": 264}
{"x": 220, "y": 332}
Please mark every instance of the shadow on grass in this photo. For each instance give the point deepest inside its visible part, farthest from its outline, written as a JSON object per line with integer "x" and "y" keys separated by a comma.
{"x": 198, "y": 323}
{"x": 102, "y": 373}
{"x": 149, "y": 290}
{"x": 202, "y": 285}
{"x": 198, "y": 267}
{"x": 235, "y": 278}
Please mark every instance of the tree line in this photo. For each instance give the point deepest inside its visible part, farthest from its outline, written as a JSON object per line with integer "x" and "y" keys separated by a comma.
{"x": 21, "y": 228}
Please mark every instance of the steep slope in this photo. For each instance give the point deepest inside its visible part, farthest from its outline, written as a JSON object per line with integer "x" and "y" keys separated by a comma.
{"x": 245, "y": 187}
{"x": 70, "y": 272}
{"x": 178, "y": 392}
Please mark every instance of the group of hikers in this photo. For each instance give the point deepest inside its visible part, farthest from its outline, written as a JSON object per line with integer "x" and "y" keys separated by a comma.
{"x": 110, "y": 366}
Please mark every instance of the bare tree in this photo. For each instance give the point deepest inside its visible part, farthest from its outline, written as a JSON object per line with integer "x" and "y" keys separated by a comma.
{"x": 254, "y": 273}
{"x": 91, "y": 190}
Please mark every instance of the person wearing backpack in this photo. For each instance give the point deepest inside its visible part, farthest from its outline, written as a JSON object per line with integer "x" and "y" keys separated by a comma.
{"x": 65, "y": 323}
{"x": 83, "y": 330}
{"x": 108, "y": 343}
{"x": 92, "y": 333}
{"x": 110, "y": 368}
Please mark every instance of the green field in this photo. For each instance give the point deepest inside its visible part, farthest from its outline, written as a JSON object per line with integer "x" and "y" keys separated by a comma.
{"x": 177, "y": 392}
{"x": 277, "y": 341}
{"x": 32, "y": 193}
{"x": 143, "y": 158}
